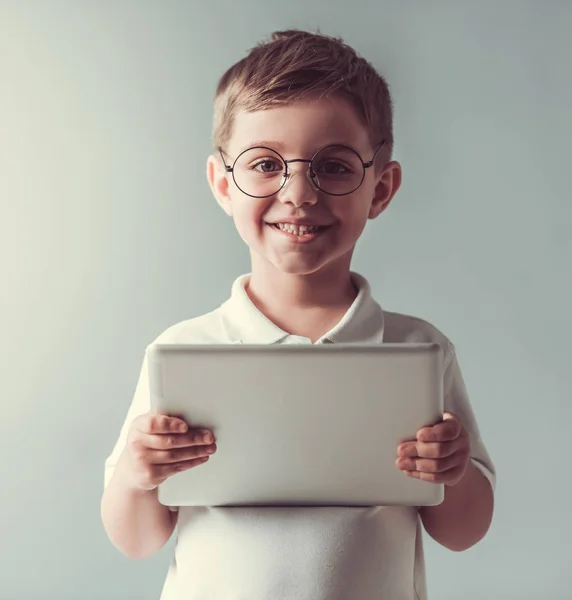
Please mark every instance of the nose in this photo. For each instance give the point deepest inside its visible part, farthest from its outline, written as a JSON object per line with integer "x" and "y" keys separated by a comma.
{"x": 299, "y": 188}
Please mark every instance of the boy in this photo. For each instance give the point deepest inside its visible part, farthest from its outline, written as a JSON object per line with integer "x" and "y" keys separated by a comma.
{"x": 303, "y": 131}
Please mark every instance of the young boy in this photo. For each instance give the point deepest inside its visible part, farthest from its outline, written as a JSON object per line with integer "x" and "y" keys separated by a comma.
{"x": 300, "y": 96}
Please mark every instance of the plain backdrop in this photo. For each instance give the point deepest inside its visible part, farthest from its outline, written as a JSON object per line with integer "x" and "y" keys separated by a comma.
{"x": 109, "y": 234}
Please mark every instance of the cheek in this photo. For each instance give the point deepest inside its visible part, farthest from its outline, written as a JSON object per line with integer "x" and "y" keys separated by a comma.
{"x": 248, "y": 215}
{"x": 353, "y": 212}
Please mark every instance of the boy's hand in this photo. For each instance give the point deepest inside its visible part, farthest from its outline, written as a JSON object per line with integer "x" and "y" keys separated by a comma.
{"x": 440, "y": 454}
{"x": 159, "y": 446}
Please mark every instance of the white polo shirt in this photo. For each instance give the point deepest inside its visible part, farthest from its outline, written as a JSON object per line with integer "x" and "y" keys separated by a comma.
{"x": 290, "y": 553}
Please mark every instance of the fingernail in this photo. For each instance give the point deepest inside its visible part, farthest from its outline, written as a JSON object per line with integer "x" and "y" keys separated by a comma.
{"x": 207, "y": 438}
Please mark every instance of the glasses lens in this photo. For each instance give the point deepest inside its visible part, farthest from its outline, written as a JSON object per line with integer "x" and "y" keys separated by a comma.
{"x": 259, "y": 172}
{"x": 337, "y": 170}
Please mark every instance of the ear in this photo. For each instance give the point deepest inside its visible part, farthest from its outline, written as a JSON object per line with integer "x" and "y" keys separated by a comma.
{"x": 218, "y": 180}
{"x": 388, "y": 182}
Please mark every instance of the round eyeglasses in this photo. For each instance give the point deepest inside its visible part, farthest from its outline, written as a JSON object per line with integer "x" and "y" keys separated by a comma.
{"x": 336, "y": 170}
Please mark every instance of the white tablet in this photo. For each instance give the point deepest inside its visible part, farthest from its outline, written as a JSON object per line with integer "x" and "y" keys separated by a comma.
{"x": 302, "y": 425}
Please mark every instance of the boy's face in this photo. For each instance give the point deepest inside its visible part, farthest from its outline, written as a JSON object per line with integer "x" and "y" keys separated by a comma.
{"x": 299, "y": 131}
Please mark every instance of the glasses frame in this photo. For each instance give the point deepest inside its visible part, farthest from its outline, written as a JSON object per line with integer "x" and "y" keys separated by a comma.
{"x": 310, "y": 173}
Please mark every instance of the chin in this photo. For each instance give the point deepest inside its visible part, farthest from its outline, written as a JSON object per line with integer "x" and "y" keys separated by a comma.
{"x": 300, "y": 263}
{"x": 293, "y": 265}
{"x": 293, "y": 270}
{"x": 298, "y": 267}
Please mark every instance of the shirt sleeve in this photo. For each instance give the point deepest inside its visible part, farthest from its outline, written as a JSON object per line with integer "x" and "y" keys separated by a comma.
{"x": 140, "y": 404}
{"x": 456, "y": 401}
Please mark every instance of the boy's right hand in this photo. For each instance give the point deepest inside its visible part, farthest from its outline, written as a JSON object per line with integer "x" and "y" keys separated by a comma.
{"x": 158, "y": 447}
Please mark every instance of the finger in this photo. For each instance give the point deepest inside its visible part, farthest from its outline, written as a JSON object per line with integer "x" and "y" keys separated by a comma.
{"x": 429, "y": 465}
{"x": 170, "y": 441}
{"x": 194, "y": 437}
{"x": 446, "y": 477}
{"x": 444, "y": 431}
{"x": 163, "y": 457}
{"x": 449, "y": 416}
{"x": 428, "y": 450}
{"x": 159, "y": 424}
{"x": 183, "y": 465}
{"x": 407, "y": 449}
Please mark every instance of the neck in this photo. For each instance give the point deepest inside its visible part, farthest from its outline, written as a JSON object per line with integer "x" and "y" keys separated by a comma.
{"x": 307, "y": 305}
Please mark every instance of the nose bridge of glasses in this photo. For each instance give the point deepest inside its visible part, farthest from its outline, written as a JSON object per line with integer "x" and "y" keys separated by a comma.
{"x": 298, "y": 160}
{"x": 290, "y": 173}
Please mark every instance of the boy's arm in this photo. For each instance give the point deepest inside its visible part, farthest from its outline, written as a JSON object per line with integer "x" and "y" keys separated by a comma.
{"x": 453, "y": 453}
{"x": 137, "y": 524}
{"x": 465, "y": 515}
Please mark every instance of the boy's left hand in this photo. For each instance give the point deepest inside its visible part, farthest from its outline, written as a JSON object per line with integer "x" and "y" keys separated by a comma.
{"x": 440, "y": 454}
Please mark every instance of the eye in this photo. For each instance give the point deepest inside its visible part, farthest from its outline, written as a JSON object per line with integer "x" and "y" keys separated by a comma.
{"x": 333, "y": 167}
{"x": 268, "y": 166}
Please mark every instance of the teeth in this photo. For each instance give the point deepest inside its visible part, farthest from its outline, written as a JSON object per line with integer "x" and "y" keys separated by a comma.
{"x": 301, "y": 230}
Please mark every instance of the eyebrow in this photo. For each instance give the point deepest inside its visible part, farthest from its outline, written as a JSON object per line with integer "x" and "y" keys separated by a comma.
{"x": 281, "y": 147}
{"x": 267, "y": 143}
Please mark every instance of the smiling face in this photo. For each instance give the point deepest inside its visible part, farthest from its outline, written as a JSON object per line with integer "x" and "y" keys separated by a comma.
{"x": 300, "y": 229}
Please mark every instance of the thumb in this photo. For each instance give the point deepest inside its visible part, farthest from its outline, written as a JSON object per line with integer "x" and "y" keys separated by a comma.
{"x": 449, "y": 417}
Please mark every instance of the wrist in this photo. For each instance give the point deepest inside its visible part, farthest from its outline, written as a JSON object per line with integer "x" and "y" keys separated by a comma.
{"x": 125, "y": 482}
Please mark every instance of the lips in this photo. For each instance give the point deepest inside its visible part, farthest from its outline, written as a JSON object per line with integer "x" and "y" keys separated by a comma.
{"x": 298, "y": 229}
{"x": 299, "y": 235}
{"x": 298, "y": 222}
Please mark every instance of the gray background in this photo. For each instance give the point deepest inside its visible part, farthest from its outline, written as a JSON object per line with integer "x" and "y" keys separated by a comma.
{"x": 109, "y": 234}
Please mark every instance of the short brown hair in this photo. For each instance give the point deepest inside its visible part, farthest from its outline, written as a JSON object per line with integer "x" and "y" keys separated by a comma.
{"x": 296, "y": 65}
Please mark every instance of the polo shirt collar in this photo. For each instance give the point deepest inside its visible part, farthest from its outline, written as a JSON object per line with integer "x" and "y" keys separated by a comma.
{"x": 244, "y": 323}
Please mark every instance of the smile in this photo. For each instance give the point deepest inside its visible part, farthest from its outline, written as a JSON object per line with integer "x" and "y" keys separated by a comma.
{"x": 301, "y": 233}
